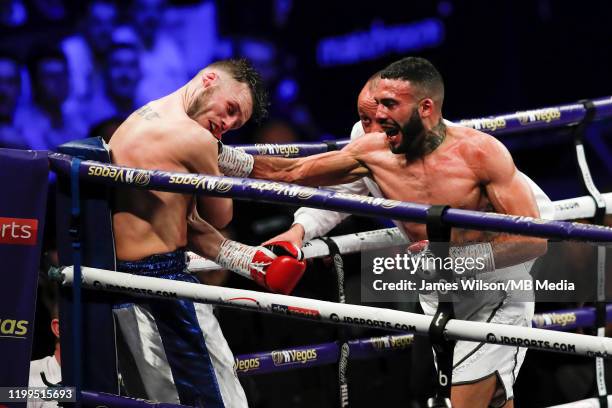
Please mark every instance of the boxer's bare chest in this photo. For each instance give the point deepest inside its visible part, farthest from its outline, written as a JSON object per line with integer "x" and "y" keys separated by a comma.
{"x": 442, "y": 177}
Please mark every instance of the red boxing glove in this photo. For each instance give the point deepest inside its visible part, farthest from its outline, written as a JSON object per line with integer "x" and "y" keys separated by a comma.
{"x": 425, "y": 260}
{"x": 286, "y": 269}
{"x": 278, "y": 266}
{"x": 418, "y": 246}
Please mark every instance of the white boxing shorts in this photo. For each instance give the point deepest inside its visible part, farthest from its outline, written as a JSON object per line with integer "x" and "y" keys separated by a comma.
{"x": 472, "y": 361}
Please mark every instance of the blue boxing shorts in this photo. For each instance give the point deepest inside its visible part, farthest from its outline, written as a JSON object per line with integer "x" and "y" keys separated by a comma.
{"x": 175, "y": 347}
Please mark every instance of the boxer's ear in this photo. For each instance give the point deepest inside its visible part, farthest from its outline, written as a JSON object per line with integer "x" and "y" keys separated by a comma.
{"x": 209, "y": 78}
{"x": 426, "y": 107}
{"x": 55, "y": 327}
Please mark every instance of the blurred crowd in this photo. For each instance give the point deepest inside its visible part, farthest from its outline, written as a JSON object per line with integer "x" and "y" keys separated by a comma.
{"x": 72, "y": 70}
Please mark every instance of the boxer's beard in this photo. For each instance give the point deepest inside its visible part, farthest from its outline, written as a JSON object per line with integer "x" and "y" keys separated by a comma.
{"x": 413, "y": 137}
{"x": 199, "y": 102}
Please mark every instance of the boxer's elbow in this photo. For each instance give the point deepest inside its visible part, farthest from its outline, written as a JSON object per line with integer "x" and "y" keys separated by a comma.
{"x": 222, "y": 218}
{"x": 216, "y": 211}
{"x": 539, "y": 247}
{"x": 223, "y": 222}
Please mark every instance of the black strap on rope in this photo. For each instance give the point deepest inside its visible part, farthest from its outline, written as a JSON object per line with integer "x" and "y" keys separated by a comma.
{"x": 438, "y": 234}
{"x": 600, "y": 213}
{"x": 331, "y": 145}
{"x": 583, "y": 167}
{"x": 343, "y": 355}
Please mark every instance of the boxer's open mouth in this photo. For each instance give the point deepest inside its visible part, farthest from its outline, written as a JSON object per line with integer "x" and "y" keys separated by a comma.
{"x": 392, "y": 131}
{"x": 392, "y": 134}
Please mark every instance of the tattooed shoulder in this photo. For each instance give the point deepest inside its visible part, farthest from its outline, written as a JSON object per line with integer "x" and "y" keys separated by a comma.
{"x": 435, "y": 137}
{"x": 147, "y": 113}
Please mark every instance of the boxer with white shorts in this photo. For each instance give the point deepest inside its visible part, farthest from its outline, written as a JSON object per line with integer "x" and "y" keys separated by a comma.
{"x": 472, "y": 361}
{"x": 422, "y": 158}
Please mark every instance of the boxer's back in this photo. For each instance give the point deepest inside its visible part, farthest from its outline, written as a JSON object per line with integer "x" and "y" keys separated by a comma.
{"x": 149, "y": 222}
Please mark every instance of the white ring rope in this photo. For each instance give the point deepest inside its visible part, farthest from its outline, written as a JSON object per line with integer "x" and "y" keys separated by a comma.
{"x": 579, "y": 207}
{"x": 569, "y": 209}
{"x": 339, "y": 313}
{"x": 316, "y": 248}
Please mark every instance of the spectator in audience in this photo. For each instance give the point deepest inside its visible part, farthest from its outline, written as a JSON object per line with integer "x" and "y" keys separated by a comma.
{"x": 162, "y": 63}
{"x": 10, "y": 89}
{"x": 86, "y": 53}
{"x": 49, "y": 119}
{"x": 48, "y": 370}
{"x": 13, "y": 13}
{"x": 192, "y": 25}
{"x": 122, "y": 75}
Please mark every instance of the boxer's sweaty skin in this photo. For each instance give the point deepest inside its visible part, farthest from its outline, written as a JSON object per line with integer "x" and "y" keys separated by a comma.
{"x": 162, "y": 136}
{"x": 469, "y": 170}
{"x": 462, "y": 167}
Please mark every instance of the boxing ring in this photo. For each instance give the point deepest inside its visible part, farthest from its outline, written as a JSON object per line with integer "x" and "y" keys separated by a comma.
{"x": 547, "y": 334}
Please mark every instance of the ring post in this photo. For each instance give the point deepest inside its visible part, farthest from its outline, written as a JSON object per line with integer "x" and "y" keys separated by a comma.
{"x": 98, "y": 371}
{"x": 438, "y": 234}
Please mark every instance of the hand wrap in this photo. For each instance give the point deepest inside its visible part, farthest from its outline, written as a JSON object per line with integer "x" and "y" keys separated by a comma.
{"x": 234, "y": 162}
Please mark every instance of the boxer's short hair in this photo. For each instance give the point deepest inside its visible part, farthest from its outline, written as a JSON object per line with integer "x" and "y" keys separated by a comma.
{"x": 242, "y": 71}
{"x": 417, "y": 71}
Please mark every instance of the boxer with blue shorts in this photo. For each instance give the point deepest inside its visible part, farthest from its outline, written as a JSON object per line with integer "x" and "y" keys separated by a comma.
{"x": 177, "y": 345}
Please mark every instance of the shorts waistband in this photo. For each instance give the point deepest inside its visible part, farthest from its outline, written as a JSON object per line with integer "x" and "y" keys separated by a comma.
{"x": 158, "y": 265}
